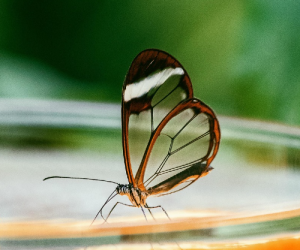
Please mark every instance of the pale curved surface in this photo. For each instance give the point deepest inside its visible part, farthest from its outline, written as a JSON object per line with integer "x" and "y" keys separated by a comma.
{"x": 253, "y": 190}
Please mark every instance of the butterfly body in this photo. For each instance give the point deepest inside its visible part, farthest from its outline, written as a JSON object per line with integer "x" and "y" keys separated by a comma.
{"x": 135, "y": 195}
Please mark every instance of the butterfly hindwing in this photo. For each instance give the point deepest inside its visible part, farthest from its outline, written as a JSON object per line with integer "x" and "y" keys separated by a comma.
{"x": 192, "y": 133}
{"x": 180, "y": 149}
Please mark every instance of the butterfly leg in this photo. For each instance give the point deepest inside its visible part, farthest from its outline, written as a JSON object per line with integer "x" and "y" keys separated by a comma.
{"x": 159, "y": 207}
{"x": 113, "y": 194}
{"x": 105, "y": 220}
{"x": 150, "y": 212}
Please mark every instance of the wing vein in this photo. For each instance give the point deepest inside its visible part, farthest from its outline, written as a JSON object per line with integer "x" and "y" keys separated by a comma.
{"x": 192, "y": 141}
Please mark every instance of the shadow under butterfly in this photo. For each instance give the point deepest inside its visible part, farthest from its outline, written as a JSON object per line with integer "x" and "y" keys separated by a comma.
{"x": 169, "y": 137}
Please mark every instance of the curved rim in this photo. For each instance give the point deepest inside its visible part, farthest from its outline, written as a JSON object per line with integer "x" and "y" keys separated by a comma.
{"x": 65, "y": 113}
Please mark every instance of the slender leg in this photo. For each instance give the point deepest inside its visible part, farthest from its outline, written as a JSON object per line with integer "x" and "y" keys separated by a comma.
{"x": 161, "y": 208}
{"x": 150, "y": 212}
{"x": 144, "y": 213}
{"x": 105, "y": 220}
{"x": 108, "y": 200}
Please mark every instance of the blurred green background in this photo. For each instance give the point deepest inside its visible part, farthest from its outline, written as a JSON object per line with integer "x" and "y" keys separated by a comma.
{"x": 243, "y": 56}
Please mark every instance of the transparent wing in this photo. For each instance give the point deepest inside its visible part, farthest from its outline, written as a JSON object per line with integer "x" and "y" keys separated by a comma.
{"x": 172, "y": 137}
{"x": 154, "y": 85}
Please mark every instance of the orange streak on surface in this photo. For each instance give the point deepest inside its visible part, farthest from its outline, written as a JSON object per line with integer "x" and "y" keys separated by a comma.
{"x": 287, "y": 242}
{"x": 134, "y": 226}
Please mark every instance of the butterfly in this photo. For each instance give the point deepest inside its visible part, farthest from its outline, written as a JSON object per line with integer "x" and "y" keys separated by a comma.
{"x": 169, "y": 138}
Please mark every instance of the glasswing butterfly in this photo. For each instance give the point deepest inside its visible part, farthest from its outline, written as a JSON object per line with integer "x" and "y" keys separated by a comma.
{"x": 169, "y": 137}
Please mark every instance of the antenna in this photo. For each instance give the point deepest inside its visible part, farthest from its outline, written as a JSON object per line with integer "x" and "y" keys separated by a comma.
{"x": 77, "y": 178}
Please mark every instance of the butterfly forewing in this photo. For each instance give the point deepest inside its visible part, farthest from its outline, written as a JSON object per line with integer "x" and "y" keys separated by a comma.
{"x": 154, "y": 85}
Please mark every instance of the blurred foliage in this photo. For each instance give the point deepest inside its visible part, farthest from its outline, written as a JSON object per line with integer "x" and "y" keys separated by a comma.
{"x": 242, "y": 56}
{"x": 90, "y": 139}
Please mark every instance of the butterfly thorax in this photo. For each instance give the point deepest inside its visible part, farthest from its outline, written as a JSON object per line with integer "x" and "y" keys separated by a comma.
{"x": 135, "y": 195}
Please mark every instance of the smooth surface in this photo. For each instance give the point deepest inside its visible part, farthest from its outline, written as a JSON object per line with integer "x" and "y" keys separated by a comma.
{"x": 256, "y": 175}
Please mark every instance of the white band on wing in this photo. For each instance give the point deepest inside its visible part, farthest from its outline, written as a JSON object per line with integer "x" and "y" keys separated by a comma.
{"x": 142, "y": 87}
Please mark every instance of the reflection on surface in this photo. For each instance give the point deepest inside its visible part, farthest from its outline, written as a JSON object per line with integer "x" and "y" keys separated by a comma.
{"x": 256, "y": 176}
